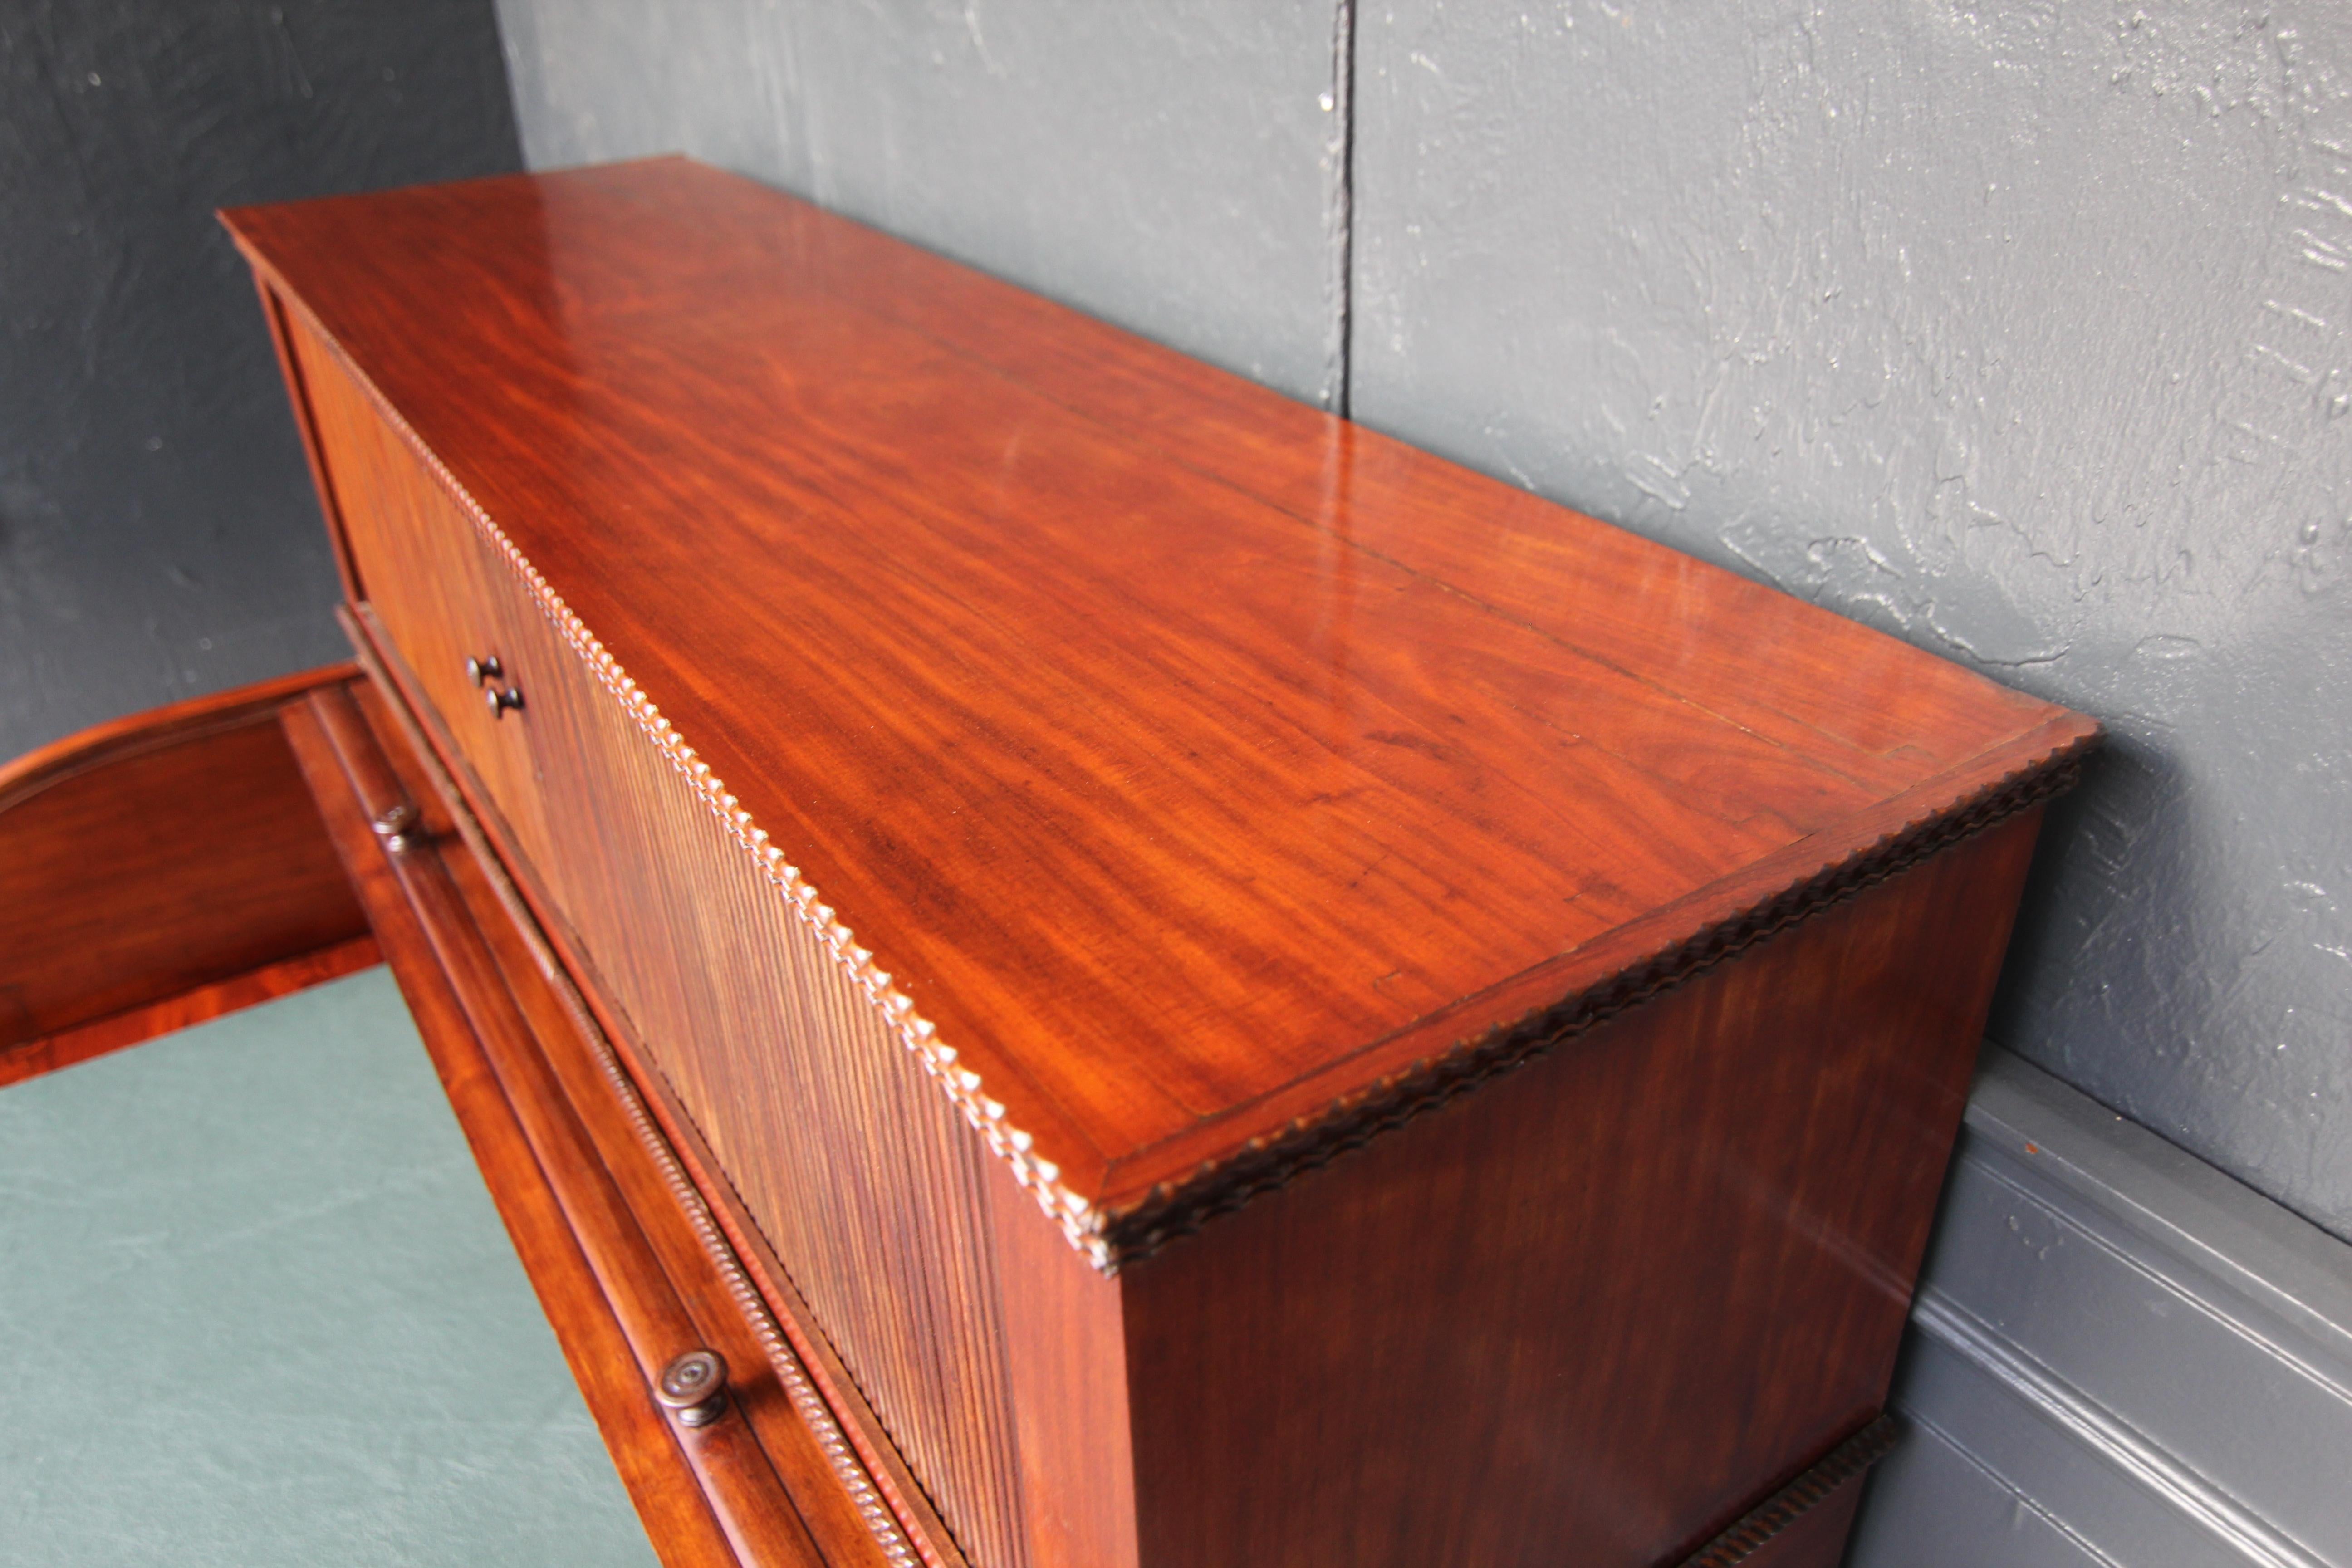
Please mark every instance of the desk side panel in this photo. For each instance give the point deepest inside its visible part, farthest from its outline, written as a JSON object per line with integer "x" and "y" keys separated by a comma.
{"x": 154, "y": 857}
{"x": 1666, "y": 1268}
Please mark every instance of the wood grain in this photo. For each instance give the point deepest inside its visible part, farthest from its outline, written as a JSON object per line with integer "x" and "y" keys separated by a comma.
{"x": 1597, "y": 1317}
{"x": 1210, "y": 799}
{"x": 875, "y": 1476}
{"x": 157, "y": 855}
{"x": 1066, "y": 1363}
{"x": 273, "y": 311}
{"x": 1169, "y": 743}
{"x": 759, "y": 1522}
{"x": 31, "y": 1059}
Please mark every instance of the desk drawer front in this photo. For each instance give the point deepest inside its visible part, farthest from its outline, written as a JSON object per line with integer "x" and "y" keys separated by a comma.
{"x": 859, "y": 1170}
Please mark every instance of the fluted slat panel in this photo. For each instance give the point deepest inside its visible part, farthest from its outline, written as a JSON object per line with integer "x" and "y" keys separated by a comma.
{"x": 860, "y": 1171}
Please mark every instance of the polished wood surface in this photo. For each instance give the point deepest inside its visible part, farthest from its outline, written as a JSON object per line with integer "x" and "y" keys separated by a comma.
{"x": 1074, "y": 1404}
{"x": 678, "y": 1519}
{"x": 1194, "y": 760}
{"x": 624, "y": 1258}
{"x": 1219, "y": 793}
{"x": 843, "y": 1154}
{"x": 155, "y": 858}
{"x": 1590, "y": 1317}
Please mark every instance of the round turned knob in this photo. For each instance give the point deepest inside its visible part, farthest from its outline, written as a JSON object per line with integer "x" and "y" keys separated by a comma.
{"x": 693, "y": 1388}
{"x": 397, "y": 826}
{"x": 501, "y": 699}
{"x": 482, "y": 671}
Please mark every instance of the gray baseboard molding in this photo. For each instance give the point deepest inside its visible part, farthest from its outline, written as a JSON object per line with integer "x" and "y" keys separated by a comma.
{"x": 2118, "y": 1356}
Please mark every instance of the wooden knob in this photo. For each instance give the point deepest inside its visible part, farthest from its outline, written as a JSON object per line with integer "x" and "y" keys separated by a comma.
{"x": 397, "y": 826}
{"x": 693, "y": 1388}
{"x": 501, "y": 699}
{"x": 482, "y": 671}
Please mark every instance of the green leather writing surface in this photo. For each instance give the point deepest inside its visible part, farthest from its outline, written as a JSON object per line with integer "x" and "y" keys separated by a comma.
{"x": 256, "y": 1307}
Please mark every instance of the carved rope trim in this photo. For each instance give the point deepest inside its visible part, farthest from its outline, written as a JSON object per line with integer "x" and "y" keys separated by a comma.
{"x": 1785, "y": 1506}
{"x": 1217, "y": 1187}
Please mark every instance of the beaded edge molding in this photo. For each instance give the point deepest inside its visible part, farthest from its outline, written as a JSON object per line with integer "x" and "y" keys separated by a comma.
{"x": 1756, "y": 1529}
{"x": 1112, "y": 1239}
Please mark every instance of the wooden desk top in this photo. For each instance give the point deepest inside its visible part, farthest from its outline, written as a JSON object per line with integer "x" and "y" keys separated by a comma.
{"x": 1223, "y": 779}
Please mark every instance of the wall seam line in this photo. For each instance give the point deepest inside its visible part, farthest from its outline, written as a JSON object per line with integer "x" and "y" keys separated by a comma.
{"x": 1340, "y": 372}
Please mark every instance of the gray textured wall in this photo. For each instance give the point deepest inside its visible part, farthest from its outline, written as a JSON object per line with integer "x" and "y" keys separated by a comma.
{"x": 157, "y": 533}
{"x": 1168, "y": 164}
{"x": 2019, "y": 330}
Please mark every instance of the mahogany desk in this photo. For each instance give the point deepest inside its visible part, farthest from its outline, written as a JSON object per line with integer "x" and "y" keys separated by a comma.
{"x": 1170, "y": 981}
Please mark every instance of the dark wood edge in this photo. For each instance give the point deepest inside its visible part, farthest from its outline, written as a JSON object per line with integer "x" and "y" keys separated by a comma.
{"x": 298, "y": 391}
{"x": 135, "y": 734}
{"x": 738, "y": 1249}
{"x": 133, "y": 1026}
{"x": 1177, "y": 1208}
{"x": 1841, "y": 1467}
